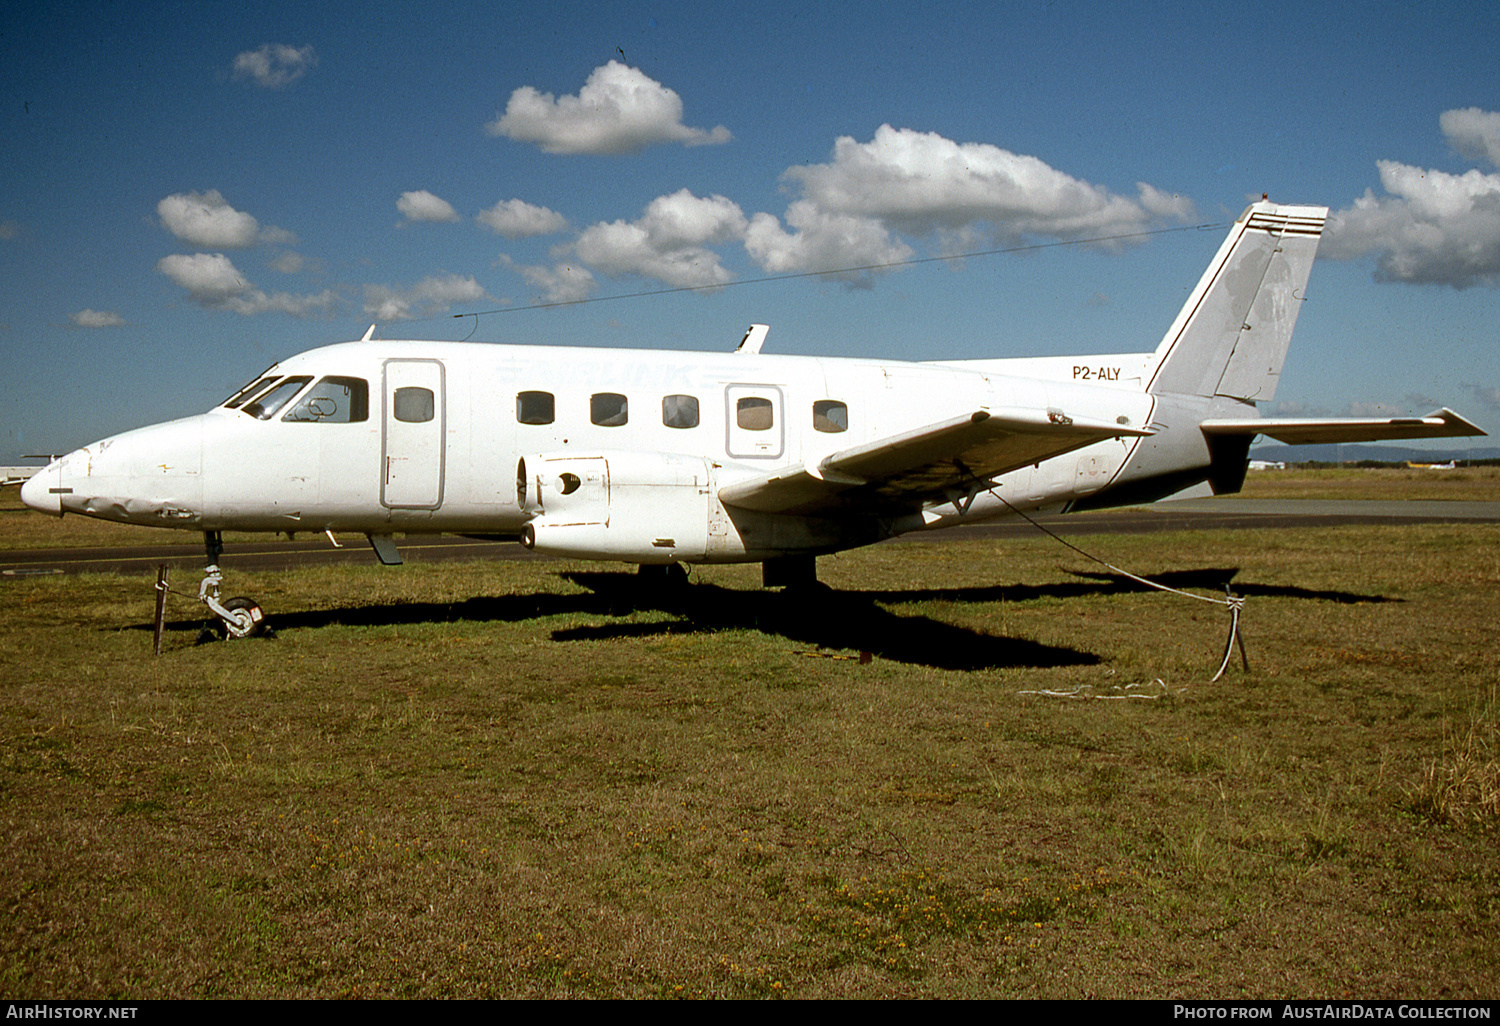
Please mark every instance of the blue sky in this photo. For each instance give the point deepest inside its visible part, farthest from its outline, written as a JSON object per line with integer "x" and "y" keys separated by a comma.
{"x": 189, "y": 192}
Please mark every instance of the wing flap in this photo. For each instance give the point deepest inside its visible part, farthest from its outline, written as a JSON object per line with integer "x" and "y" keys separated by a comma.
{"x": 902, "y": 472}
{"x": 1443, "y": 423}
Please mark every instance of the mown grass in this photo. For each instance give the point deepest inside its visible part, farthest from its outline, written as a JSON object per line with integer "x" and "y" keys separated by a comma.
{"x": 1472, "y": 484}
{"x": 481, "y": 780}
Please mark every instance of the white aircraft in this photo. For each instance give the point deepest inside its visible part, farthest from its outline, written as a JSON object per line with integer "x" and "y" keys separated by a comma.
{"x": 663, "y": 458}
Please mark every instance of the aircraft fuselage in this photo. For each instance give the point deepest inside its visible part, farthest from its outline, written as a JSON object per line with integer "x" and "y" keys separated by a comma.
{"x": 425, "y": 437}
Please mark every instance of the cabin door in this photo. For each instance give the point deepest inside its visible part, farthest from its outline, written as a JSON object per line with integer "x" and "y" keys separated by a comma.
{"x": 412, "y": 434}
{"x": 756, "y": 428}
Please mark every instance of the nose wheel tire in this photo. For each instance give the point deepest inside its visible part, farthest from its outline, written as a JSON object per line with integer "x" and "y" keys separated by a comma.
{"x": 245, "y": 620}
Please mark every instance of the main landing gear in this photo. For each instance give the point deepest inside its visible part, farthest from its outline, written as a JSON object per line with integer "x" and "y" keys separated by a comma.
{"x": 238, "y": 617}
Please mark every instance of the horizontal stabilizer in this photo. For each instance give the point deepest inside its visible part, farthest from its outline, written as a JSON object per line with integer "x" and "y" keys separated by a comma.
{"x": 900, "y": 473}
{"x": 1442, "y": 423}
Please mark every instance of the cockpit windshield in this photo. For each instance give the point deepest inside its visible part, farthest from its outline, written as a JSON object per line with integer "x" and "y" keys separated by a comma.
{"x": 259, "y": 382}
{"x": 333, "y": 400}
{"x": 265, "y": 405}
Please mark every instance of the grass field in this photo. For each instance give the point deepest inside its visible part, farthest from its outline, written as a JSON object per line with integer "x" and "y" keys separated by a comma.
{"x": 529, "y": 780}
{"x": 1475, "y": 484}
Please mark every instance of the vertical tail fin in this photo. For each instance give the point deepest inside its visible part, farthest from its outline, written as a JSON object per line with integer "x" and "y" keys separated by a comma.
{"x": 1231, "y": 337}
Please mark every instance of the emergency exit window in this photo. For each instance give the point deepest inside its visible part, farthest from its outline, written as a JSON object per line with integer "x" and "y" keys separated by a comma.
{"x": 830, "y": 415}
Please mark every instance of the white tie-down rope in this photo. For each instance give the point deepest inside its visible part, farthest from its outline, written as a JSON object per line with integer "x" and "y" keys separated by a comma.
{"x": 1119, "y": 691}
{"x": 1234, "y": 602}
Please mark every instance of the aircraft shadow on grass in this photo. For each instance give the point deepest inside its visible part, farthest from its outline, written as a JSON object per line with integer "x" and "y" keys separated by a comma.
{"x": 1094, "y": 582}
{"x": 820, "y": 617}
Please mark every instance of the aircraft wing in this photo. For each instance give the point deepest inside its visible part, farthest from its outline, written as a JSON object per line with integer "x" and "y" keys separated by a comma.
{"x": 900, "y": 473}
{"x": 16, "y": 475}
{"x": 1443, "y": 423}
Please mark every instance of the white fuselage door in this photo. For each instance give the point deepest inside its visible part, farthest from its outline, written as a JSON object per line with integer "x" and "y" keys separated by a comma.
{"x": 412, "y": 435}
{"x": 756, "y": 422}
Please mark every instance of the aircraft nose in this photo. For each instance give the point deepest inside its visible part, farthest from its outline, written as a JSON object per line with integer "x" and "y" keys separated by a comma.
{"x": 40, "y": 491}
{"x": 148, "y": 476}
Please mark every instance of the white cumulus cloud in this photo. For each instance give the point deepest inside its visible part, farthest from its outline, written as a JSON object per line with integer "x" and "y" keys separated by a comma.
{"x": 206, "y": 219}
{"x": 619, "y": 110}
{"x": 1430, "y": 226}
{"x": 1163, "y": 204}
{"x": 275, "y": 65}
{"x": 421, "y": 205}
{"x": 432, "y": 295}
{"x": 921, "y": 182}
{"x": 562, "y": 283}
{"x": 821, "y": 240}
{"x": 517, "y": 219}
{"x": 1473, "y": 133}
{"x": 96, "y": 319}
{"x": 853, "y": 210}
{"x": 211, "y": 280}
{"x": 669, "y": 242}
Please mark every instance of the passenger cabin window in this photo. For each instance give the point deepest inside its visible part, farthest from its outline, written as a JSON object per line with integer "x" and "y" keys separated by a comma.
{"x": 535, "y": 408}
{"x": 608, "y": 409}
{"x": 830, "y": 415}
{"x": 754, "y": 413}
{"x": 265, "y": 405}
{"x": 414, "y": 405}
{"x": 333, "y": 400}
{"x": 679, "y": 411}
{"x": 234, "y": 401}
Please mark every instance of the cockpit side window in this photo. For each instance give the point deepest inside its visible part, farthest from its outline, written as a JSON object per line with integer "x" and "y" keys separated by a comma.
{"x": 334, "y": 400}
{"x": 264, "y": 406}
{"x": 233, "y": 402}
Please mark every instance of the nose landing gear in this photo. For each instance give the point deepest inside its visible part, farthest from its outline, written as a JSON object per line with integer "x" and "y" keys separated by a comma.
{"x": 238, "y": 617}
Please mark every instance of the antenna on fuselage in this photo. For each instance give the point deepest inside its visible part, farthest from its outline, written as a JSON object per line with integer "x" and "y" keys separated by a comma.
{"x": 755, "y": 337}
{"x": 369, "y": 334}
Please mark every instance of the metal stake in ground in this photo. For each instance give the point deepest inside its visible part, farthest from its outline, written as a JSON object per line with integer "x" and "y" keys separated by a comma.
{"x": 161, "y": 604}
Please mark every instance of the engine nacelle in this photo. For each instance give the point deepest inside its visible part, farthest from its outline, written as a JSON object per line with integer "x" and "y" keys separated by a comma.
{"x": 636, "y": 507}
